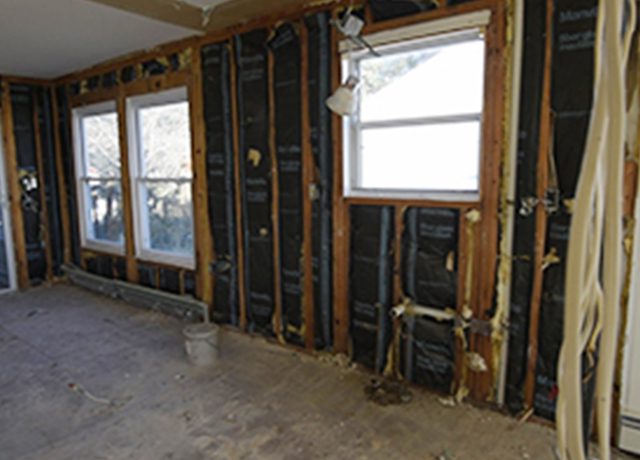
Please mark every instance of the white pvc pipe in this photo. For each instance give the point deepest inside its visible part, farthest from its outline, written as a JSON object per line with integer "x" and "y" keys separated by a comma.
{"x": 506, "y": 249}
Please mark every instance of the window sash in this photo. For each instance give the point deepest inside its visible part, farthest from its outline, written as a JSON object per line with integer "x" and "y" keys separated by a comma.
{"x": 139, "y": 179}
{"x": 81, "y": 161}
{"x": 429, "y": 35}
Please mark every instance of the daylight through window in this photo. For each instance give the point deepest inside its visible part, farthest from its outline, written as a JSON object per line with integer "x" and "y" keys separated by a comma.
{"x": 98, "y": 176}
{"x": 417, "y": 130}
{"x": 160, "y": 149}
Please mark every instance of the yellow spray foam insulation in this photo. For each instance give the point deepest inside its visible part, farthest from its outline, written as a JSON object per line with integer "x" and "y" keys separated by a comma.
{"x": 550, "y": 259}
{"x": 450, "y": 263}
{"x": 499, "y": 319}
{"x": 254, "y": 156}
{"x": 84, "y": 87}
{"x": 184, "y": 58}
{"x": 476, "y": 363}
{"x": 568, "y": 204}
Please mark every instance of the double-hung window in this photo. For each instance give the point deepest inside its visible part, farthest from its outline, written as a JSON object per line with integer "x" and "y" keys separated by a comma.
{"x": 160, "y": 161}
{"x": 417, "y": 129}
{"x": 97, "y": 161}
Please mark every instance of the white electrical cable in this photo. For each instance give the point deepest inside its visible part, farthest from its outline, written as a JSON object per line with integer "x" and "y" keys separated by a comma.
{"x": 592, "y": 309}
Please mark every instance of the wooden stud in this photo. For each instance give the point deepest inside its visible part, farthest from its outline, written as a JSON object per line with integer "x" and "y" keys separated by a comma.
{"x": 275, "y": 198}
{"x": 461, "y": 297}
{"x": 237, "y": 155}
{"x": 202, "y": 223}
{"x": 127, "y": 199}
{"x": 14, "y": 188}
{"x": 486, "y": 249}
{"x": 94, "y": 97}
{"x": 161, "y": 82}
{"x": 25, "y": 80}
{"x": 308, "y": 170}
{"x": 340, "y": 221}
{"x": 44, "y": 209}
{"x": 62, "y": 186}
{"x": 398, "y": 292}
{"x": 541, "y": 214}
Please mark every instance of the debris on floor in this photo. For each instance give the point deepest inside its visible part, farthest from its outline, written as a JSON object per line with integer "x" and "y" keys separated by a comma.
{"x": 445, "y": 455}
{"x": 108, "y": 402}
{"x": 386, "y": 392}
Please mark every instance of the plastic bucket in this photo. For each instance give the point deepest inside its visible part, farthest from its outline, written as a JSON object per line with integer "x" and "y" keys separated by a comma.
{"x": 202, "y": 343}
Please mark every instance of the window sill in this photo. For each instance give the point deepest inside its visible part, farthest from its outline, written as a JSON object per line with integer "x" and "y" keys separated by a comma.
{"x": 392, "y": 197}
{"x": 104, "y": 248}
{"x": 165, "y": 258}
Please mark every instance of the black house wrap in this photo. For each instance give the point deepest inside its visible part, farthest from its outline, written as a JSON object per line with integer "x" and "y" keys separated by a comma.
{"x": 430, "y": 279}
{"x": 45, "y": 121}
{"x": 64, "y": 128}
{"x": 285, "y": 46}
{"x": 220, "y": 174}
{"x": 255, "y": 171}
{"x": 22, "y": 105}
{"x": 319, "y": 47}
{"x": 370, "y": 283}
{"x": 524, "y": 231}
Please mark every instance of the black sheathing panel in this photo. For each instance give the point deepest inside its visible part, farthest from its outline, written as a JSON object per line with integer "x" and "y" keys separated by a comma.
{"x": 372, "y": 234}
{"x": 147, "y": 276}
{"x": 64, "y": 127}
{"x": 430, "y": 240}
{"x": 45, "y": 120}
{"x": 109, "y": 79}
{"x": 285, "y": 46}
{"x": 170, "y": 280}
{"x": 571, "y": 99}
{"x": 220, "y": 177}
{"x": 430, "y": 278}
{"x": 319, "y": 84}
{"x": 524, "y": 230}
{"x": 255, "y": 172}
{"x": 190, "y": 283}
{"x": 390, "y": 9}
{"x": 22, "y": 103}
{"x": 120, "y": 266}
{"x": 104, "y": 266}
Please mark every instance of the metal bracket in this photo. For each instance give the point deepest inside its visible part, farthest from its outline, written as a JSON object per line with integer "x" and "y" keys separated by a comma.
{"x": 551, "y": 203}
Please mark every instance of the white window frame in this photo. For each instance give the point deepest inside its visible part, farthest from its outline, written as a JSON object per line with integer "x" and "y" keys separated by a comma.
{"x": 81, "y": 164}
{"x": 5, "y": 214}
{"x": 137, "y": 179}
{"x": 418, "y": 36}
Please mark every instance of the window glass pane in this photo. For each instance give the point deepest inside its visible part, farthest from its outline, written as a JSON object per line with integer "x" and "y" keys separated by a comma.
{"x": 104, "y": 209}
{"x": 434, "y": 81}
{"x": 101, "y": 145}
{"x": 169, "y": 211}
{"x": 443, "y": 157}
{"x": 166, "y": 140}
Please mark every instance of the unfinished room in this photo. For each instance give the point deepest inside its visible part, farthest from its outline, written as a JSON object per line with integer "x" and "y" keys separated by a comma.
{"x": 300, "y": 229}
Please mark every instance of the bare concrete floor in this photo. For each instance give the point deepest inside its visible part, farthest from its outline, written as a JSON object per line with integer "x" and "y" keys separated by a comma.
{"x": 64, "y": 350}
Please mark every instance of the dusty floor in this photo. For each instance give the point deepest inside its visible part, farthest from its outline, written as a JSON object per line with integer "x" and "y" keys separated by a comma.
{"x": 262, "y": 401}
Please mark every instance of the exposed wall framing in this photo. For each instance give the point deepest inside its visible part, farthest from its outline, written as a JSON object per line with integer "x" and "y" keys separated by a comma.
{"x": 296, "y": 260}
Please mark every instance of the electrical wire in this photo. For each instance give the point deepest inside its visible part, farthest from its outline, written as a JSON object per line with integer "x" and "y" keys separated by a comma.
{"x": 595, "y": 243}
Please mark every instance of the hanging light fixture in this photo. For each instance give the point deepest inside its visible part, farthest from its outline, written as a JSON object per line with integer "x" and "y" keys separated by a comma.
{"x": 344, "y": 100}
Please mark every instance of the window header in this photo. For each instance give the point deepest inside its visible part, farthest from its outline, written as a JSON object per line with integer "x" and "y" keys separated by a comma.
{"x": 462, "y": 22}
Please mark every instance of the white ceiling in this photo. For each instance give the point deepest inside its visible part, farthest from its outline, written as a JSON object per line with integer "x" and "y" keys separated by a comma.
{"x": 50, "y": 38}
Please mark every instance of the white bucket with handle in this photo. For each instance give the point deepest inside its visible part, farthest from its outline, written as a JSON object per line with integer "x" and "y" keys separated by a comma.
{"x": 202, "y": 344}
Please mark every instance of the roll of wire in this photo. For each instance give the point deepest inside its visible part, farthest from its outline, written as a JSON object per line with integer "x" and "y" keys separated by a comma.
{"x": 594, "y": 276}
